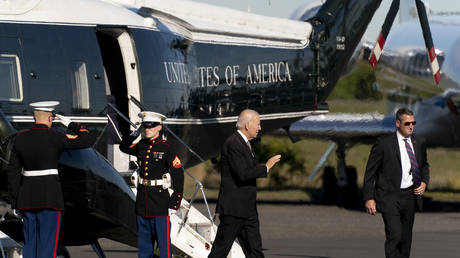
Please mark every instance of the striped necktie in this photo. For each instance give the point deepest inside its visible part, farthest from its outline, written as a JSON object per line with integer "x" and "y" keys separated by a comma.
{"x": 414, "y": 168}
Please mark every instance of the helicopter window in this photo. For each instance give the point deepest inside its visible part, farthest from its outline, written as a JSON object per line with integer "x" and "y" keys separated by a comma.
{"x": 10, "y": 78}
{"x": 80, "y": 91}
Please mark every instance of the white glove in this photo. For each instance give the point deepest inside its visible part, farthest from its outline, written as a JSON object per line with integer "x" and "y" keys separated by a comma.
{"x": 172, "y": 212}
{"x": 64, "y": 120}
{"x": 136, "y": 132}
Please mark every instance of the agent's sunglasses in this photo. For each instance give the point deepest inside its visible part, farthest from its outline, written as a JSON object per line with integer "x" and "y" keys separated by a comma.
{"x": 408, "y": 123}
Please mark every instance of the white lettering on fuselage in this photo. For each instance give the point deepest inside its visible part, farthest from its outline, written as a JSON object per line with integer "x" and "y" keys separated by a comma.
{"x": 177, "y": 73}
{"x": 255, "y": 74}
{"x": 340, "y": 42}
{"x": 212, "y": 76}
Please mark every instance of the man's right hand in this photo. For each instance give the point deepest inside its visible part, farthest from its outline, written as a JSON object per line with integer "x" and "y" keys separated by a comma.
{"x": 64, "y": 120}
{"x": 135, "y": 133}
{"x": 272, "y": 161}
{"x": 371, "y": 207}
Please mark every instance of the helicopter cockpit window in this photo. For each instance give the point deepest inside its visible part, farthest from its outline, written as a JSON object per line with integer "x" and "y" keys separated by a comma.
{"x": 80, "y": 92}
{"x": 10, "y": 78}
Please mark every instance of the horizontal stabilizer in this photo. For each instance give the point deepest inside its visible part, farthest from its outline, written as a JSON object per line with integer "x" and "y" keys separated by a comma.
{"x": 362, "y": 128}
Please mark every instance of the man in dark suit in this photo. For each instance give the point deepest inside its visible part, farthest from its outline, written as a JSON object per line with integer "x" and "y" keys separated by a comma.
{"x": 397, "y": 174}
{"x": 237, "y": 196}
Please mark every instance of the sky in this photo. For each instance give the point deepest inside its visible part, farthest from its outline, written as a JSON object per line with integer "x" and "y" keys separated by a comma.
{"x": 284, "y": 8}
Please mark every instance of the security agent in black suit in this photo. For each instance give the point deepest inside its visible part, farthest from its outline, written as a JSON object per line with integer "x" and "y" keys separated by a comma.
{"x": 236, "y": 203}
{"x": 396, "y": 178}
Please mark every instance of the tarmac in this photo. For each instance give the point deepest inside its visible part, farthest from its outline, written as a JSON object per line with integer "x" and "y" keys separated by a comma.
{"x": 309, "y": 230}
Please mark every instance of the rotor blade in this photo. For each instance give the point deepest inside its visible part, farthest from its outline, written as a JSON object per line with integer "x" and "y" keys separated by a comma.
{"x": 428, "y": 41}
{"x": 377, "y": 51}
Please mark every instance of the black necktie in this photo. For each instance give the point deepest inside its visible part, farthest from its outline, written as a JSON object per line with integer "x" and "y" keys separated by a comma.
{"x": 414, "y": 168}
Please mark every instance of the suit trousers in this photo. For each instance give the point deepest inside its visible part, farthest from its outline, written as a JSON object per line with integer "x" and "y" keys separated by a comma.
{"x": 245, "y": 229}
{"x": 41, "y": 232}
{"x": 151, "y": 230}
{"x": 398, "y": 225}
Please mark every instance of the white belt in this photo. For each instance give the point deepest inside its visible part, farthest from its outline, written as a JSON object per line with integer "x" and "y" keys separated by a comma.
{"x": 146, "y": 182}
{"x": 43, "y": 172}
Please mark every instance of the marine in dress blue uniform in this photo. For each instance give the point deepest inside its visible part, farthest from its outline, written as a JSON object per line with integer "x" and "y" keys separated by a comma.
{"x": 33, "y": 180}
{"x": 156, "y": 157}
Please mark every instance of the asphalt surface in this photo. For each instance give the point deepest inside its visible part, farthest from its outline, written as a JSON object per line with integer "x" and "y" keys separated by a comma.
{"x": 306, "y": 230}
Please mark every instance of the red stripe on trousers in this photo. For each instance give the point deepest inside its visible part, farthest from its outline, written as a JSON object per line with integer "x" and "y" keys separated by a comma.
{"x": 57, "y": 235}
{"x": 167, "y": 234}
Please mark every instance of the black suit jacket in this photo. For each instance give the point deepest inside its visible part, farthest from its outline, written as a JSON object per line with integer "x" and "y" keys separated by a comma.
{"x": 40, "y": 148}
{"x": 238, "y": 192}
{"x": 382, "y": 180}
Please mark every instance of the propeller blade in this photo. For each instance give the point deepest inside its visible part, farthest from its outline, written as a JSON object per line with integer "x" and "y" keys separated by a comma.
{"x": 378, "y": 47}
{"x": 428, "y": 41}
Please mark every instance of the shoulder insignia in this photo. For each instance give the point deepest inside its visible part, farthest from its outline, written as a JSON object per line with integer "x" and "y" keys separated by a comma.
{"x": 83, "y": 130}
{"x": 176, "y": 162}
{"x": 71, "y": 137}
{"x": 132, "y": 145}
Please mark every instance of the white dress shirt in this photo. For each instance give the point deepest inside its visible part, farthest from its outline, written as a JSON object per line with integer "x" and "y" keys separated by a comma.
{"x": 406, "y": 180}
{"x": 244, "y": 137}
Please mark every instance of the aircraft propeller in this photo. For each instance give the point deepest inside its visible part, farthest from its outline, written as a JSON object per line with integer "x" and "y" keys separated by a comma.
{"x": 377, "y": 51}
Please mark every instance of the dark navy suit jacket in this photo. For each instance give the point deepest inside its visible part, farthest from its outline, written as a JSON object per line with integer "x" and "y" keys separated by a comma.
{"x": 238, "y": 192}
{"x": 382, "y": 180}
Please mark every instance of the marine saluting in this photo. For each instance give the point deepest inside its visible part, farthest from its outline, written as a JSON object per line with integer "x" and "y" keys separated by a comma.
{"x": 159, "y": 171}
{"x": 33, "y": 179}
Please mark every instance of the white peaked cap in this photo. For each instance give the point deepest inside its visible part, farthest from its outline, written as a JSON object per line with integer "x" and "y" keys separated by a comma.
{"x": 47, "y": 106}
{"x": 149, "y": 116}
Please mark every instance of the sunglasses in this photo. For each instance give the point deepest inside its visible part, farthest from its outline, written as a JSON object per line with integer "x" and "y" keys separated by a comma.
{"x": 150, "y": 124}
{"x": 408, "y": 123}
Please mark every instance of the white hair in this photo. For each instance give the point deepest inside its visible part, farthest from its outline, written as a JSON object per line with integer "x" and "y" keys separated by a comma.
{"x": 245, "y": 117}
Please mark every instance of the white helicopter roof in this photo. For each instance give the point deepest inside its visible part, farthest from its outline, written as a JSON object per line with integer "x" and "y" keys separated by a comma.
{"x": 67, "y": 12}
{"x": 214, "y": 19}
{"x": 202, "y": 22}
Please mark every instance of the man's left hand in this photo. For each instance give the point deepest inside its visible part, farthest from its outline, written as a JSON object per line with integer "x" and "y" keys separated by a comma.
{"x": 420, "y": 190}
